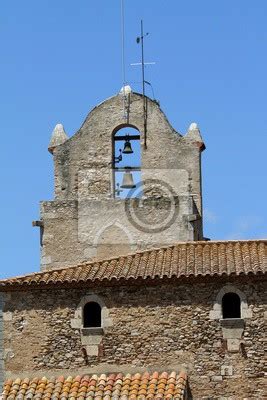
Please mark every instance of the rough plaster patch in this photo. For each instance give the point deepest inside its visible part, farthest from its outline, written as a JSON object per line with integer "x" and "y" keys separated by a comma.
{"x": 48, "y": 237}
{"x": 227, "y": 370}
{"x": 89, "y": 252}
{"x": 8, "y": 354}
{"x": 7, "y": 316}
{"x": 46, "y": 260}
{"x": 91, "y": 340}
{"x": 49, "y": 215}
{"x": 92, "y": 350}
{"x": 233, "y": 345}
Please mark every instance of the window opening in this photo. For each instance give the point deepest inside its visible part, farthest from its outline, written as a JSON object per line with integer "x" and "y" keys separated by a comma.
{"x": 127, "y": 163}
{"x": 92, "y": 315}
{"x": 231, "y": 306}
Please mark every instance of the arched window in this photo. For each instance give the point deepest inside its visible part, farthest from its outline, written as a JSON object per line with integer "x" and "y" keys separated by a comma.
{"x": 231, "y": 307}
{"x": 92, "y": 315}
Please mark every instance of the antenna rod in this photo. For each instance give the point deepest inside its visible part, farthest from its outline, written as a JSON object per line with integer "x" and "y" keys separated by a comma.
{"x": 143, "y": 63}
{"x": 123, "y": 55}
{"x": 143, "y": 82}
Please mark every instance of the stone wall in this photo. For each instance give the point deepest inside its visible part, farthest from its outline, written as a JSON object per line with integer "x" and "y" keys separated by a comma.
{"x": 78, "y": 231}
{"x": 1, "y": 342}
{"x": 84, "y": 204}
{"x": 163, "y": 327}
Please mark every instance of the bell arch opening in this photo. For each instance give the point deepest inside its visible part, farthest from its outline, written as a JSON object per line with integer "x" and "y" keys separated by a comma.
{"x": 126, "y": 162}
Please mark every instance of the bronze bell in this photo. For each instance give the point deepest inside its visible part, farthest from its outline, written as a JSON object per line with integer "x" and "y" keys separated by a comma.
{"x": 127, "y": 147}
{"x": 127, "y": 181}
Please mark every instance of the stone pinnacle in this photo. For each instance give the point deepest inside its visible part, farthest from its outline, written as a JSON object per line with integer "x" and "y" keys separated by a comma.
{"x": 58, "y": 137}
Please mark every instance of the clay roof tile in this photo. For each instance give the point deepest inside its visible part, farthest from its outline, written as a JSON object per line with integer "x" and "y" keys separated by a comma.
{"x": 180, "y": 260}
{"x": 131, "y": 387}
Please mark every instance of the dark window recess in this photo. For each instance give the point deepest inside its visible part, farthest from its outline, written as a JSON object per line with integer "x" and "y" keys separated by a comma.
{"x": 92, "y": 315}
{"x": 231, "y": 306}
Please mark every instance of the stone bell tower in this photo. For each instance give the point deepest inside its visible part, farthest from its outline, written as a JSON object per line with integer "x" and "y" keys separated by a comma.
{"x": 104, "y": 206}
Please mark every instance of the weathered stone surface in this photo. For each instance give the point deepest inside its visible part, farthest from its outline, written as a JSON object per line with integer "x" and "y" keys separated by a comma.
{"x": 58, "y": 137}
{"x": 2, "y": 371}
{"x": 154, "y": 327}
{"x": 85, "y": 221}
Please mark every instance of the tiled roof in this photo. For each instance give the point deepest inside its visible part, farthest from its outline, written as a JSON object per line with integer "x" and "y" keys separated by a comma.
{"x": 104, "y": 387}
{"x": 180, "y": 260}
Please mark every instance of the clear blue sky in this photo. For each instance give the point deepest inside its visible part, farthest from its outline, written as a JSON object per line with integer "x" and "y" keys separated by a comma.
{"x": 60, "y": 58}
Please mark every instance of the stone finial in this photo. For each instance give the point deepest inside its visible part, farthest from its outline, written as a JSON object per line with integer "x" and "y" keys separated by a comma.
{"x": 126, "y": 89}
{"x": 193, "y": 126}
{"x": 58, "y": 137}
{"x": 194, "y": 134}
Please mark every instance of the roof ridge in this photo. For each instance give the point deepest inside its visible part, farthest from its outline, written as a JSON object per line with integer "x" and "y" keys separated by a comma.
{"x": 129, "y": 255}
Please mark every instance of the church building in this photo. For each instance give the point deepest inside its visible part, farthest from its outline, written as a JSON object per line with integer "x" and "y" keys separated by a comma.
{"x": 132, "y": 301}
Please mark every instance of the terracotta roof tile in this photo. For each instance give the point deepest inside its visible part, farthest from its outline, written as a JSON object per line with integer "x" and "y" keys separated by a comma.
{"x": 180, "y": 260}
{"x": 103, "y": 387}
